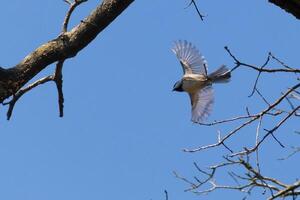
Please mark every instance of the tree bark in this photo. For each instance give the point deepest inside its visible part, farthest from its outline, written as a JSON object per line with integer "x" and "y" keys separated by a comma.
{"x": 290, "y": 6}
{"x": 66, "y": 45}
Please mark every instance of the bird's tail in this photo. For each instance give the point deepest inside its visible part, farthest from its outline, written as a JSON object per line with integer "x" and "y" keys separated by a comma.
{"x": 221, "y": 75}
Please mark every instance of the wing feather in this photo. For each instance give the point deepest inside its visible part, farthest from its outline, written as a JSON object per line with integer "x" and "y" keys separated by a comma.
{"x": 202, "y": 104}
{"x": 190, "y": 58}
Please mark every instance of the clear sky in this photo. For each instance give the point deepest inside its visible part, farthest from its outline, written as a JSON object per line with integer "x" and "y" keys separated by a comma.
{"x": 124, "y": 129}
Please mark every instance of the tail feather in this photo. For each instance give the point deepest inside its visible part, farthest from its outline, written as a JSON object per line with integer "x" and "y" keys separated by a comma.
{"x": 221, "y": 75}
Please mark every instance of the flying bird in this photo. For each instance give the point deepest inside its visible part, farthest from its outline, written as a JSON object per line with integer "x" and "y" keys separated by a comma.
{"x": 196, "y": 81}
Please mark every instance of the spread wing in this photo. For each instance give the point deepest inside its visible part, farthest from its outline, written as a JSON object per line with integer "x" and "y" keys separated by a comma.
{"x": 202, "y": 103}
{"x": 190, "y": 58}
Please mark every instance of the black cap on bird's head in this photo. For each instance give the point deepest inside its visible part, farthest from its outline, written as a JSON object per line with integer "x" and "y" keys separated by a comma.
{"x": 178, "y": 86}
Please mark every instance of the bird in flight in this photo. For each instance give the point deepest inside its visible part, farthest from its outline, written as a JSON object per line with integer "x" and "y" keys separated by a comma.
{"x": 196, "y": 81}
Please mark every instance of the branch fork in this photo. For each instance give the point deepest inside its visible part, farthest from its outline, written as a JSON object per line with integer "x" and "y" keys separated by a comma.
{"x": 65, "y": 46}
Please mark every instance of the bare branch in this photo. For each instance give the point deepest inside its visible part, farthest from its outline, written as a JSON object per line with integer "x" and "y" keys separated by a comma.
{"x": 196, "y": 7}
{"x": 166, "y": 194}
{"x": 68, "y": 1}
{"x": 296, "y": 150}
{"x": 58, "y": 81}
{"x": 240, "y": 160}
{"x": 244, "y": 184}
{"x": 56, "y": 77}
{"x": 22, "y": 91}
{"x": 70, "y": 11}
{"x": 291, "y": 6}
{"x": 259, "y": 73}
{"x": 269, "y": 132}
{"x": 260, "y": 69}
{"x": 228, "y": 120}
{"x": 224, "y": 138}
{"x": 288, "y": 191}
{"x": 256, "y": 142}
{"x": 66, "y": 45}
{"x": 249, "y": 121}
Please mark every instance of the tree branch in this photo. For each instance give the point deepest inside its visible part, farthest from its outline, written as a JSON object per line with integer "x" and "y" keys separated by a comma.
{"x": 290, "y": 6}
{"x": 58, "y": 81}
{"x": 197, "y": 9}
{"x": 276, "y": 113}
{"x": 69, "y": 13}
{"x": 288, "y": 191}
{"x": 65, "y": 46}
{"x": 23, "y": 91}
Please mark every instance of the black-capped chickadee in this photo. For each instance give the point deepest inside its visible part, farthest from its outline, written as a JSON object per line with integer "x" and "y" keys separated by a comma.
{"x": 196, "y": 81}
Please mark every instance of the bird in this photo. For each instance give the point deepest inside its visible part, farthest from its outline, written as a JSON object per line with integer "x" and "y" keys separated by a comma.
{"x": 196, "y": 81}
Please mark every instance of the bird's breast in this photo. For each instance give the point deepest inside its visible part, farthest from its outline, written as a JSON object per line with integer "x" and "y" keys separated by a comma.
{"x": 193, "y": 82}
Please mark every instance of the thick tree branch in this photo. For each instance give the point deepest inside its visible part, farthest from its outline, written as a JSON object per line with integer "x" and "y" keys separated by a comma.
{"x": 65, "y": 46}
{"x": 290, "y": 6}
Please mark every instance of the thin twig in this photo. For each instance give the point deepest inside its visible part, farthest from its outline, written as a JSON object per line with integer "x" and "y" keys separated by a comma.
{"x": 228, "y": 120}
{"x": 73, "y": 5}
{"x": 196, "y": 7}
{"x": 166, "y": 194}
{"x": 59, "y": 81}
{"x": 256, "y": 142}
{"x": 269, "y": 132}
{"x": 259, "y": 73}
{"x": 24, "y": 90}
{"x": 279, "y": 61}
{"x": 296, "y": 150}
{"x": 239, "y": 64}
{"x": 263, "y": 98}
{"x": 56, "y": 77}
{"x": 224, "y": 138}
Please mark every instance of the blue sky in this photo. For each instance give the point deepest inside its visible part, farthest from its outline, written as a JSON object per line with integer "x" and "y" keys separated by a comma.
{"x": 123, "y": 129}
